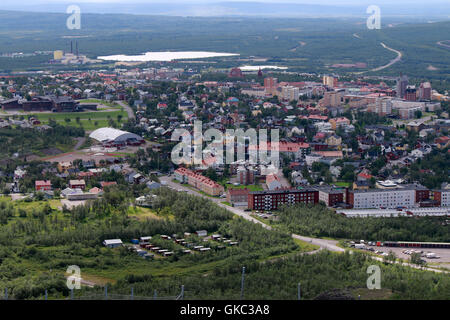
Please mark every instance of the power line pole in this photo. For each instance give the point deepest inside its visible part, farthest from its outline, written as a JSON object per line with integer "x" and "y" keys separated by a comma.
{"x": 182, "y": 293}
{"x": 242, "y": 283}
{"x": 298, "y": 291}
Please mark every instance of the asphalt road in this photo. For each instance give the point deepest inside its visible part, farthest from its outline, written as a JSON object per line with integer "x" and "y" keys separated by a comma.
{"x": 127, "y": 108}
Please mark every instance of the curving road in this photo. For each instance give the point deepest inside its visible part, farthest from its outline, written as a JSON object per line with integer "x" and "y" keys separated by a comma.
{"x": 441, "y": 43}
{"x": 127, "y": 108}
{"x": 392, "y": 62}
{"x": 397, "y": 59}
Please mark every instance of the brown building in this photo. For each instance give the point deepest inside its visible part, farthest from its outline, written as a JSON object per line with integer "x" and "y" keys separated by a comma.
{"x": 77, "y": 184}
{"x": 10, "y": 104}
{"x": 331, "y": 196}
{"x": 238, "y": 196}
{"x": 272, "y": 200}
{"x": 236, "y": 73}
{"x": 50, "y": 103}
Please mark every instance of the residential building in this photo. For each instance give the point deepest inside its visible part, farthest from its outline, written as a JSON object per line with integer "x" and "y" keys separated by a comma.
{"x": 272, "y": 200}
{"x": 238, "y": 197}
{"x": 339, "y": 122}
{"x": 425, "y": 91}
{"x": 401, "y": 196}
{"x": 273, "y": 182}
{"x": 402, "y": 84}
{"x": 198, "y": 181}
{"x": 77, "y": 184}
{"x": 442, "y": 197}
{"x": 411, "y": 93}
{"x": 41, "y": 185}
{"x": 331, "y": 196}
{"x": 270, "y": 85}
{"x": 113, "y": 243}
{"x": 245, "y": 175}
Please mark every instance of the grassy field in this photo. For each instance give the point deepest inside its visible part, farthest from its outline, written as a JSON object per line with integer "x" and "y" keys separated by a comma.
{"x": 29, "y": 206}
{"x": 342, "y": 184}
{"x": 251, "y": 187}
{"x": 88, "y": 120}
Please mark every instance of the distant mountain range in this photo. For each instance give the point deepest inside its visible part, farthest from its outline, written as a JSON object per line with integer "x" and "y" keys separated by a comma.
{"x": 422, "y": 9}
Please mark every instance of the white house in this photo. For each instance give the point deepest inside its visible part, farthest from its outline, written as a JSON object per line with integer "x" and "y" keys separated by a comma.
{"x": 113, "y": 243}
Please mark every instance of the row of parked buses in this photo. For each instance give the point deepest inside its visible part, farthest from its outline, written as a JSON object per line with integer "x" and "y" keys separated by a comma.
{"x": 400, "y": 244}
{"x": 407, "y": 244}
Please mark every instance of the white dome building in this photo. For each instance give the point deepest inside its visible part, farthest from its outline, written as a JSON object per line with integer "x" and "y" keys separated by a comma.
{"x": 113, "y": 136}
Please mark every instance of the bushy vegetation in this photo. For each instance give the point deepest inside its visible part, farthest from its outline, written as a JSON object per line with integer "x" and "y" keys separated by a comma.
{"x": 30, "y": 141}
{"x": 44, "y": 239}
{"x": 318, "y": 221}
{"x": 278, "y": 279}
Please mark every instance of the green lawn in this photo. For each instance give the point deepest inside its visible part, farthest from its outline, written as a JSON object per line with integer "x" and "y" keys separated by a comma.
{"x": 89, "y": 120}
{"x": 251, "y": 187}
{"x": 342, "y": 184}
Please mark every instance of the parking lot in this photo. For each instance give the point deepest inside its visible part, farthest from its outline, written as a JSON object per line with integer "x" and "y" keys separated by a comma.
{"x": 444, "y": 254}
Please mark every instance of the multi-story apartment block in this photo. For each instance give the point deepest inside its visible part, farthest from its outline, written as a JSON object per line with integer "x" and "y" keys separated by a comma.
{"x": 198, "y": 181}
{"x": 331, "y": 196}
{"x": 272, "y": 200}
{"x": 442, "y": 197}
{"x": 402, "y": 196}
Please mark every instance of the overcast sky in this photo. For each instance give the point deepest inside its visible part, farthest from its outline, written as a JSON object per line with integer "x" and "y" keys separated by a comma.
{"x": 413, "y": 8}
{"x": 327, "y": 2}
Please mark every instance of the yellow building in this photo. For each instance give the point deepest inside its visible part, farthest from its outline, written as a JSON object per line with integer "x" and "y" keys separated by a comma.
{"x": 333, "y": 141}
{"x": 58, "y": 55}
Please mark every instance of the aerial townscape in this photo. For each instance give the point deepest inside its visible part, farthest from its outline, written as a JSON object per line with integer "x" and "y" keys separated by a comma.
{"x": 88, "y": 177}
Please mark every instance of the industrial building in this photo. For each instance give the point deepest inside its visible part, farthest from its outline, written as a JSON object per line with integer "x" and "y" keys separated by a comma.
{"x": 111, "y": 137}
{"x": 42, "y": 103}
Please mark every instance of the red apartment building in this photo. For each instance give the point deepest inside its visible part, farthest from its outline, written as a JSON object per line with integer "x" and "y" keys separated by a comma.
{"x": 331, "y": 196}
{"x": 272, "y": 200}
{"x": 77, "y": 184}
{"x": 42, "y": 185}
{"x": 198, "y": 181}
{"x": 237, "y": 196}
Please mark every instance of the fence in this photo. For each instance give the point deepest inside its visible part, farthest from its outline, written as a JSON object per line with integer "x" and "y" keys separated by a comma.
{"x": 132, "y": 296}
{"x": 107, "y": 296}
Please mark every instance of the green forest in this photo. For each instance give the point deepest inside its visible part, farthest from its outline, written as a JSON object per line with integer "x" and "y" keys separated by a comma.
{"x": 319, "y": 221}
{"x": 301, "y": 44}
{"x": 38, "y": 242}
{"x": 32, "y": 141}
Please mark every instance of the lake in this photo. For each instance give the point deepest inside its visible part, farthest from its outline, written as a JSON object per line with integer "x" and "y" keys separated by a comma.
{"x": 256, "y": 68}
{"x": 166, "y": 56}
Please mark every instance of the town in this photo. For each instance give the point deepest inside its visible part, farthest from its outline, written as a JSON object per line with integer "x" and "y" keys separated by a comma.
{"x": 348, "y": 144}
{"x": 172, "y": 158}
